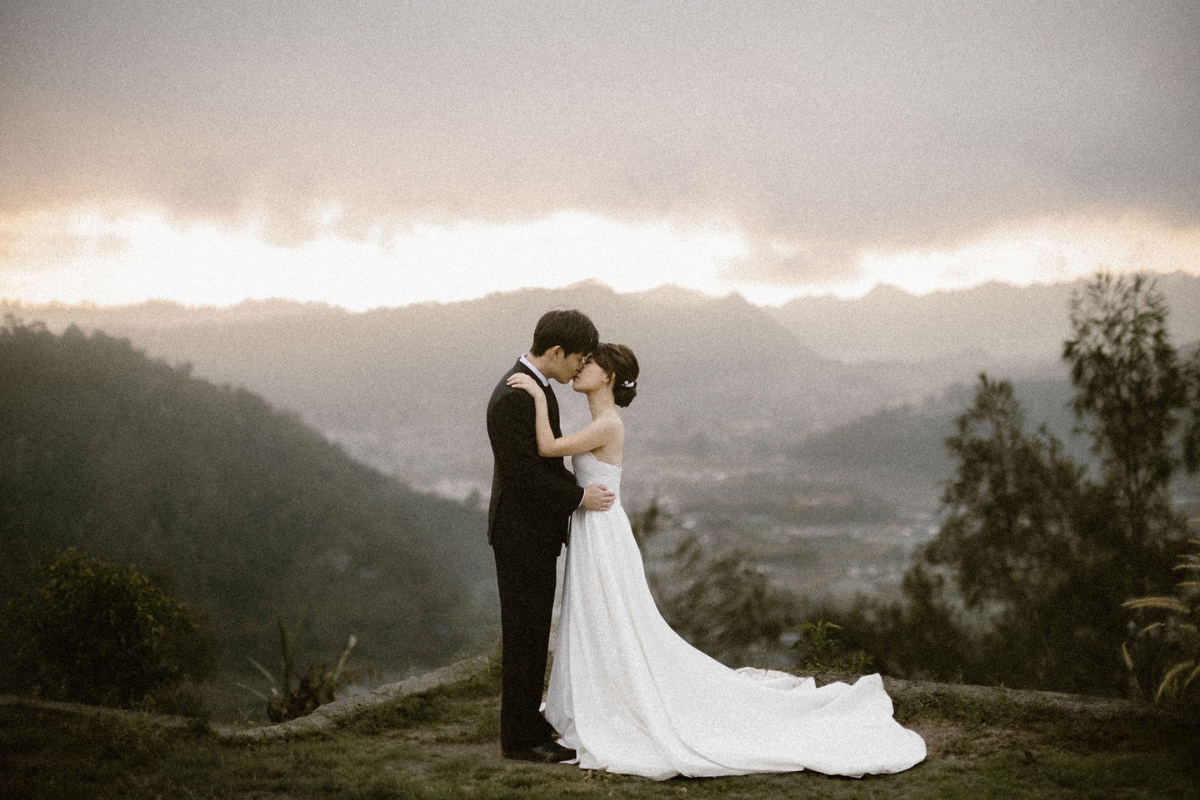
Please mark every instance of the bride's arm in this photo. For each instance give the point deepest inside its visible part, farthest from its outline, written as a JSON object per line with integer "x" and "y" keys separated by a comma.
{"x": 598, "y": 432}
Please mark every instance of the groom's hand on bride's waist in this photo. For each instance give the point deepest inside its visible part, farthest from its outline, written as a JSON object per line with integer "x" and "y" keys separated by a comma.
{"x": 597, "y": 497}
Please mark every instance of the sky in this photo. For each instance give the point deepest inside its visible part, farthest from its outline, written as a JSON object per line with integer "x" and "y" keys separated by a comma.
{"x": 378, "y": 153}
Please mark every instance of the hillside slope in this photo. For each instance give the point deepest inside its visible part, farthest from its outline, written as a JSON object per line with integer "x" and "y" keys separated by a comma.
{"x": 253, "y": 511}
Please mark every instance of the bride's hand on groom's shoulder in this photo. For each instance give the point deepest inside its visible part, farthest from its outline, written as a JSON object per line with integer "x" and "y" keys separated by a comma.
{"x": 597, "y": 497}
{"x": 520, "y": 380}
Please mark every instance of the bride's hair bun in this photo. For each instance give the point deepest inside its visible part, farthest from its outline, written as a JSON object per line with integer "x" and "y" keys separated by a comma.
{"x": 620, "y": 362}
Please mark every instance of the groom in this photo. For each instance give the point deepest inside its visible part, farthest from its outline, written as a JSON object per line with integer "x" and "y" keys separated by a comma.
{"x": 528, "y": 518}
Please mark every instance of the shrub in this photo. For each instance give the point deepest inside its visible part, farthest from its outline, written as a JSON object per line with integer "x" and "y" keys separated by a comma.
{"x": 291, "y": 698}
{"x": 102, "y": 633}
{"x": 820, "y": 650}
{"x": 1170, "y": 647}
{"x": 727, "y": 607}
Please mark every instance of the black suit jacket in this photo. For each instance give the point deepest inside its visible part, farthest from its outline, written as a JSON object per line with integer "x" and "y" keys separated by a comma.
{"x": 532, "y": 497}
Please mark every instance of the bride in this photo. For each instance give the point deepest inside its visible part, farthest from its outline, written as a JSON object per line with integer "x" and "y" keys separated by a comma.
{"x": 631, "y": 696}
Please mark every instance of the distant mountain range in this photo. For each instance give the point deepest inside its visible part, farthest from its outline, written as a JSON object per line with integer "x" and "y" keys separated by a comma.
{"x": 723, "y": 381}
{"x": 996, "y": 321}
{"x": 405, "y": 388}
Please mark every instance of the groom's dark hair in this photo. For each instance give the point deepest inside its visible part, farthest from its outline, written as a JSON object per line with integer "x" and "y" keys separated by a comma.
{"x": 570, "y": 330}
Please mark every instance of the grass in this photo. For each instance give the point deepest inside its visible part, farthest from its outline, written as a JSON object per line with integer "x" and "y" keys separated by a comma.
{"x": 442, "y": 744}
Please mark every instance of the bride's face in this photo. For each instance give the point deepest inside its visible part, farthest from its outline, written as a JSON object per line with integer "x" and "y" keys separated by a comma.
{"x": 590, "y": 378}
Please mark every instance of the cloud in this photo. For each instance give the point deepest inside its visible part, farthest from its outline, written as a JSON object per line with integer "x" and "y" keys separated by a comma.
{"x": 820, "y": 130}
{"x": 115, "y": 259}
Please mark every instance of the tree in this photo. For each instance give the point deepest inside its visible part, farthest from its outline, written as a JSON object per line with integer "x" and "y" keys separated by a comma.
{"x": 1010, "y": 511}
{"x": 1042, "y": 554}
{"x": 923, "y": 637}
{"x": 1132, "y": 394}
{"x": 1025, "y": 539}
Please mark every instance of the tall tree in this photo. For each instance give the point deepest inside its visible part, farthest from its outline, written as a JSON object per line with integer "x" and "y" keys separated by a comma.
{"x": 1020, "y": 538}
{"x": 1132, "y": 396}
{"x": 1043, "y": 555}
{"x": 1008, "y": 532}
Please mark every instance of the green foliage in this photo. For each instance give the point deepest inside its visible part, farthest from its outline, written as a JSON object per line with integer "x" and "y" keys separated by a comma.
{"x": 821, "y": 651}
{"x": 718, "y": 601}
{"x": 1171, "y": 646}
{"x": 291, "y": 697}
{"x": 1027, "y": 540}
{"x": 1191, "y": 437}
{"x": 136, "y": 461}
{"x": 1009, "y": 510}
{"x": 723, "y": 605}
{"x": 102, "y": 633}
{"x": 1131, "y": 395}
{"x": 1040, "y": 554}
{"x": 924, "y": 637}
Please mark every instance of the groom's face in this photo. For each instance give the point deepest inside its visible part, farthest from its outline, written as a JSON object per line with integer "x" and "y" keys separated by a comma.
{"x": 565, "y": 366}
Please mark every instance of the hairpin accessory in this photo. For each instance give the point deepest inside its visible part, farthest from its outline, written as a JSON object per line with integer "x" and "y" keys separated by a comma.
{"x": 629, "y": 384}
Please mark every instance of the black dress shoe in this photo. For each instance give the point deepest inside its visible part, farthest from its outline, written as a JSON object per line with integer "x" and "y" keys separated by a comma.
{"x": 548, "y": 753}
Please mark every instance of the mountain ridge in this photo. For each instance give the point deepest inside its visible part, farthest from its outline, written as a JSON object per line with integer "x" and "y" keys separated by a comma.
{"x": 403, "y": 387}
{"x": 1008, "y": 323}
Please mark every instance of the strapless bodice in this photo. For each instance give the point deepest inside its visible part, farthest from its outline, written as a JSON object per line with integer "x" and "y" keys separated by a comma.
{"x": 589, "y": 469}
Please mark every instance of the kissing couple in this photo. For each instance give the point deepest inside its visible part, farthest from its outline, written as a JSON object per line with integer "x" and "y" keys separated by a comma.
{"x": 627, "y": 694}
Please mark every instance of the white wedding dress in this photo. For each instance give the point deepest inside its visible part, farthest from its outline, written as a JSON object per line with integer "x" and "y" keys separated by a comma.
{"x": 631, "y": 696}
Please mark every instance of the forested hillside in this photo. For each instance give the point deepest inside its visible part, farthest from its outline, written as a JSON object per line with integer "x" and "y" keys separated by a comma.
{"x": 253, "y": 511}
{"x": 904, "y": 447}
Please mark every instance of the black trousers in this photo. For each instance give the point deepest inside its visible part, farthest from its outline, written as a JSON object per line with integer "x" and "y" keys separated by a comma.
{"x": 526, "y": 580}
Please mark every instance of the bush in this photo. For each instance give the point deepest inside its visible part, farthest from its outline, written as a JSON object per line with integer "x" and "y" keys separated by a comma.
{"x": 727, "y": 608}
{"x": 1165, "y": 658}
{"x": 820, "y": 650}
{"x": 102, "y": 633}
{"x": 291, "y": 698}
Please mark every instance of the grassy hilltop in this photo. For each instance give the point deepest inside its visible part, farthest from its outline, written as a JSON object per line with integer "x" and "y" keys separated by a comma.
{"x": 443, "y": 744}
